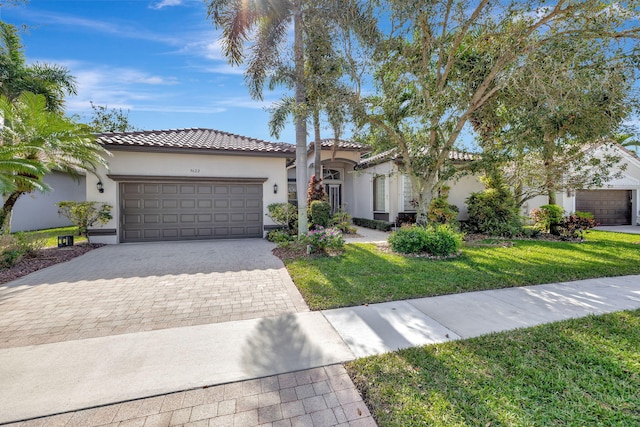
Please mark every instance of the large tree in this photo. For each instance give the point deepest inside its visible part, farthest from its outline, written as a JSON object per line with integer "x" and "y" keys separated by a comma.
{"x": 428, "y": 91}
{"x": 40, "y": 141}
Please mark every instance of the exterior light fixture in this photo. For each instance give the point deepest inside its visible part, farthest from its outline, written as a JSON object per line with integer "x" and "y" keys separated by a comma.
{"x": 275, "y": 188}
{"x": 100, "y": 187}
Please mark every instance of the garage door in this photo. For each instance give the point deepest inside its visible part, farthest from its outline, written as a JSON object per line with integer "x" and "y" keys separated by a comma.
{"x": 609, "y": 207}
{"x": 159, "y": 211}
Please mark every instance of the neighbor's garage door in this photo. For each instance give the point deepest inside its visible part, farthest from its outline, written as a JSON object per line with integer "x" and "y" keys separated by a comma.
{"x": 157, "y": 211}
{"x": 609, "y": 207}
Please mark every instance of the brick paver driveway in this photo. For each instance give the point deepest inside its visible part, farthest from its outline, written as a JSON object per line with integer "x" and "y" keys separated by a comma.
{"x": 139, "y": 287}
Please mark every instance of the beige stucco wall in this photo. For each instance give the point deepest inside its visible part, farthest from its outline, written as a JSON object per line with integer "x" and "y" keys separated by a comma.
{"x": 363, "y": 190}
{"x": 36, "y": 211}
{"x": 460, "y": 189}
{"x": 200, "y": 165}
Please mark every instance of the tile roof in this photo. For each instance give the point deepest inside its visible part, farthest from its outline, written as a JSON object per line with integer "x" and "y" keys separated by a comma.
{"x": 194, "y": 139}
{"x": 342, "y": 145}
{"x": 393, "y": 154}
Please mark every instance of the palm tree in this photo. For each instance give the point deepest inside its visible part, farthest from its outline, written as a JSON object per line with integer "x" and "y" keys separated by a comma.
{"x": 270, "y": 20}
{"x": 39, "y": 141}
{"x": 16, "y": 77}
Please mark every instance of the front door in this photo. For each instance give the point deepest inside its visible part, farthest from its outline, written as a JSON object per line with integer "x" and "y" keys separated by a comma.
{"x": 334, "y": 191}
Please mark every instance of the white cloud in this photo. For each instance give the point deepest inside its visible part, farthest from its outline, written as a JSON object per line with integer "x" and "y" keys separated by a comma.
{"x": 166, "y": 3}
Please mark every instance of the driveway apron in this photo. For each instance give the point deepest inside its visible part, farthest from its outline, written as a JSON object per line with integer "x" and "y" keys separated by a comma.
{"x": 143, "y": 287}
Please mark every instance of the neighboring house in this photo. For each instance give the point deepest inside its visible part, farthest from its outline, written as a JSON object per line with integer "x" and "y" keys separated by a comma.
{"x": 37, "y": 210}
{"x": 615, "y": 203}
{"x": 193, "y": 184}
{"x": 188, "y": 184}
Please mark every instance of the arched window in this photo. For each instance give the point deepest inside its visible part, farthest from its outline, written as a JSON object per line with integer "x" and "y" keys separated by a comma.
{"x": 331, "y": 175}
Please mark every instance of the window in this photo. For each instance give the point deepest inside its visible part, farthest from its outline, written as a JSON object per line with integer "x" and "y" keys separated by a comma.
{"x": 331, "y": 174}
{"x": 407, "y": 194}
{"x": 379, "y": 193}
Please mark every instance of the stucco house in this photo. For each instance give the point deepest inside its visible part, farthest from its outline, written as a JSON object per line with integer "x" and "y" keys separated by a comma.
{"x": 188, "y": 184}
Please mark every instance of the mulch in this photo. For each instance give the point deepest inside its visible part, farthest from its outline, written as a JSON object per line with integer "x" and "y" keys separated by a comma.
{"x": 44, "y": 258}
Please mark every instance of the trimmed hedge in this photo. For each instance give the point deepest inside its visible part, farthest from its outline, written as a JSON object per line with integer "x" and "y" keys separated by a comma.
{"x": 372, "y": 223}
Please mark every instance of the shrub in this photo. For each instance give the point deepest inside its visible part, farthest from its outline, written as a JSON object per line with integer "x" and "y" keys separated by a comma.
{"x": 342, "y": 221}
{"x": 85, "y": 214}
{"x": 13, "y": 247}
{"x": 547, "y": 217}
{"x": 495, "y": 212}
{"x": 279, "y": 236}
{"x": 284, "y": 214}
{"x": 322, "y": 239}
{"x": 319, "y": 214}
{"x": 372, "y": 223}
{"x": 441, "y": 211}
{"x": 437, "y": 241}
{"x": 574, "y": 226}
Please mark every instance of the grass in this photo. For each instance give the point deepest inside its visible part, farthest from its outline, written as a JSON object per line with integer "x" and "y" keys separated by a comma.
{"x": 364, "y": 274}
{"x": 583, "y": 372}
{"x": 50, "y": 235}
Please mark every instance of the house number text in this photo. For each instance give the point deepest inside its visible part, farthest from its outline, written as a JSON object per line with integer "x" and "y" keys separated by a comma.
{"x": 195, "y": 170}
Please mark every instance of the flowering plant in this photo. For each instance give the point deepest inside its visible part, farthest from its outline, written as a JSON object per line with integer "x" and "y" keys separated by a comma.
{"x": 325, "y": 240}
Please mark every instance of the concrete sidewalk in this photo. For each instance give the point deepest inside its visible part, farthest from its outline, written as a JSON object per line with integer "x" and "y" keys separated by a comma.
{"x": 380, "y": 328}
{"x": 68, "y": 376}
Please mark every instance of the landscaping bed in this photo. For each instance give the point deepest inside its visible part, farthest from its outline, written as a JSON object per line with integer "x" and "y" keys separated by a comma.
{"x": 581, "y": 372}
{"x": 44, "y": 258}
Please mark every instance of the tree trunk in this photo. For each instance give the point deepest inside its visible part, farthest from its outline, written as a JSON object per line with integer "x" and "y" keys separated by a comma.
{"x": 548, "y": 155}
{"x": 7, "y": 210}
{"x": 317, "y": 145}
{"x": 301, "y": 119}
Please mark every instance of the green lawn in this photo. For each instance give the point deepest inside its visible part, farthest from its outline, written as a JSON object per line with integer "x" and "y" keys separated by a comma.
{"x": 363, "y": 274}
{"x": 583, "y": 372}
{"x": 50, "y": 235}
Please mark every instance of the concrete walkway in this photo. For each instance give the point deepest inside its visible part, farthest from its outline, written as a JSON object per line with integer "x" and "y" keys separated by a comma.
{"x": 632, "y": 229}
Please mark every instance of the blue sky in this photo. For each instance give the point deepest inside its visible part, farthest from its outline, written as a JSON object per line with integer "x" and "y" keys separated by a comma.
{"x": 159, "y": 59}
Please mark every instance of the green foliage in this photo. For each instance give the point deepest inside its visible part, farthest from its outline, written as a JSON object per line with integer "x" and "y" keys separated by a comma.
{"x": 320, "y": 214}
{"x": 494, "y": 211}
{"x": 284, "y": 214}
{"x": 547, "y": 217}
{"x": 374, "y": 224}
{"x": 327, "y": 240}
{"x": 437, "y": 241}
{"x": 342, "y": 221}
{"x": 85, "y": 214}
{"x": 441, "y": 211}
{"x": 109, "y": 120}
{"x": 280, "y": 236}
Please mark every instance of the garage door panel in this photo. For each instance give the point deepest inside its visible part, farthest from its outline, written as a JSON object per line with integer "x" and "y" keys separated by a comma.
{"x": 152, "y": 219}
{"x": 237, "y": 204}
{"x": 199, "y": 210}
{"x": 169, "y": 189}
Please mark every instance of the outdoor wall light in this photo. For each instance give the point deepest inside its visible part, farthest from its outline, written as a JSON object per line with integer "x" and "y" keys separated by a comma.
{"x": 275, "y": 188}
{"x": 100, "y": 187}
